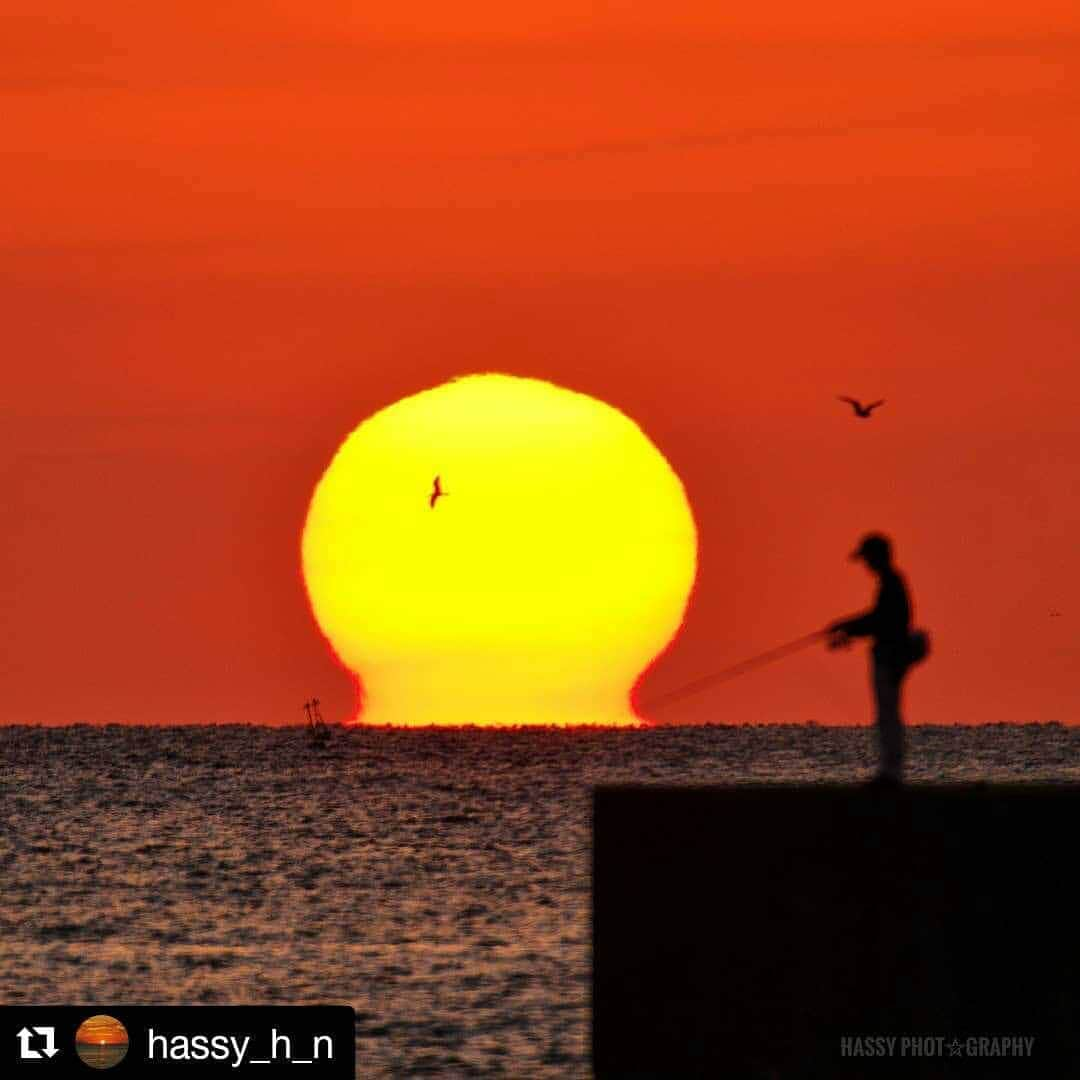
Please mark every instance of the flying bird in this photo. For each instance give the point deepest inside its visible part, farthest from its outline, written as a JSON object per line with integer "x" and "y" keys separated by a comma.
{"x": 436, "y": 493}
{"x": 862, "y": 411}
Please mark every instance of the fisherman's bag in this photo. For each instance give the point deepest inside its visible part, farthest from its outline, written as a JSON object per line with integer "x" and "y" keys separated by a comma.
{"x": 918, "y": 646}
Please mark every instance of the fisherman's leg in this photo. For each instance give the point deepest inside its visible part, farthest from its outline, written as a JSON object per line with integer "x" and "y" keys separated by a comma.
{"x": 901, "y": 731}
{"x": 889, "y": 725}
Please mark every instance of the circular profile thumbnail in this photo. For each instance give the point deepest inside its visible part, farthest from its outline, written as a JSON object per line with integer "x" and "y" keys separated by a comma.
{"x": 101, "y": 1041}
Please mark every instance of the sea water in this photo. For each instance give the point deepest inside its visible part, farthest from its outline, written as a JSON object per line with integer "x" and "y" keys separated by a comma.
{"x": 435, "y": 880}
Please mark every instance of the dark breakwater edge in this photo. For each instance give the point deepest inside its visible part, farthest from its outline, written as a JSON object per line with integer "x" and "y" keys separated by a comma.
{"x": 435, "y": 879}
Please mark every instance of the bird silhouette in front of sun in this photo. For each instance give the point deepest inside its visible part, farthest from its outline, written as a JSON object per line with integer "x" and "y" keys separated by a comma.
{"x": 861, "y": 411}
{"x": 436, "y": 493}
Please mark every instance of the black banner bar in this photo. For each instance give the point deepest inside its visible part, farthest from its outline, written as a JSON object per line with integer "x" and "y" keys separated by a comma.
{"x": 55, "y": 1042}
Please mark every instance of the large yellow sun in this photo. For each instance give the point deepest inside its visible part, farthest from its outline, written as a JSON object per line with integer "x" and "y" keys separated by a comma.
{"x": 556, "y": 563}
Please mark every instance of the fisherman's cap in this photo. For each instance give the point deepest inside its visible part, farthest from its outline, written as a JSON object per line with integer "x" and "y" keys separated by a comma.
{"x": 871, "y": 545}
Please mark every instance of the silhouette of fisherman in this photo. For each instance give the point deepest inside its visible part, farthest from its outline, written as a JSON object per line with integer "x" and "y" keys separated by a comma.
{"x": 895, "y": 648}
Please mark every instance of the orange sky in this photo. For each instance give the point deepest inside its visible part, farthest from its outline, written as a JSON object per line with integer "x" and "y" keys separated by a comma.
{"x": 232, "y": 230}
{"x": 95, "y": 1030}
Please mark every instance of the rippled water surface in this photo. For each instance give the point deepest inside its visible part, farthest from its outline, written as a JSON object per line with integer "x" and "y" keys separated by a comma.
{"x": 437, "y": 881}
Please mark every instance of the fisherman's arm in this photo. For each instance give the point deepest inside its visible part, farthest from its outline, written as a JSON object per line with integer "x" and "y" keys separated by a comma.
{"x": 857, "y": 626}
{"x": 839, "y": 634}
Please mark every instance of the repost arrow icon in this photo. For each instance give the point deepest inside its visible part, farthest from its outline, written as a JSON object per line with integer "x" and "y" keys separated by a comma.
{"x": 24, "y": 1049}
{"x": 50, "y": 1040}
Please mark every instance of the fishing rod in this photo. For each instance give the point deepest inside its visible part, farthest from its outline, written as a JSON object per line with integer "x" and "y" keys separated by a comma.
{"x": 732, "y": 672}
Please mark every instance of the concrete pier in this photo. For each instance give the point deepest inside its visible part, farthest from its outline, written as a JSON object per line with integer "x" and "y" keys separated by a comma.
{"x": 792, "y": 932}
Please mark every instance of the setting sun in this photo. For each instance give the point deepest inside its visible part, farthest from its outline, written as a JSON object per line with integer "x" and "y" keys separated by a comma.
{"x": 101, "y": 1030}
{"x": 498, "y": 550}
